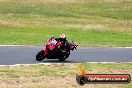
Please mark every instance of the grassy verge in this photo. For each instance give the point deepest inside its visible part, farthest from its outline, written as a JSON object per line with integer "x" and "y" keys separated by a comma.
{"x": 90, "y": 23}
{"x": 58, "y": 75}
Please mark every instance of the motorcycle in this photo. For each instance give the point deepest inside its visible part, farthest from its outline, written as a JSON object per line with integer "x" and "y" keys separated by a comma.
{"x": 54, "y": 50}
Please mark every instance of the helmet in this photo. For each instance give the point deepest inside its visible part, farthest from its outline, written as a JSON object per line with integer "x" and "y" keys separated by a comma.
{"x": 63, "y": 36}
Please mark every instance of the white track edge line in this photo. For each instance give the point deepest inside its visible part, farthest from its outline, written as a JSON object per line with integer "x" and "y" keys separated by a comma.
{"x": 65, "y": 63}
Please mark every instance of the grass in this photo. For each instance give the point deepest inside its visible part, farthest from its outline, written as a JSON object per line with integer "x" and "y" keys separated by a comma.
{"x": 58, "y": 75}
{"x": 90, "y": 23}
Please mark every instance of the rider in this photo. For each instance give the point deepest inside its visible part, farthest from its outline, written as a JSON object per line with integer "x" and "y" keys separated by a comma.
{"x": 63, "y": 40}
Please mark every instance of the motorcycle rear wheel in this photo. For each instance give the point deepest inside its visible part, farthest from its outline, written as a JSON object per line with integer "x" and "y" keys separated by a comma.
{"x": 62, "y": 59}
{"x": 40, "y": 55}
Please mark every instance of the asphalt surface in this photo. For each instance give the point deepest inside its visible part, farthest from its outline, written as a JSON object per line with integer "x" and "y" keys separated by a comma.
{"x": 10, "y": 55}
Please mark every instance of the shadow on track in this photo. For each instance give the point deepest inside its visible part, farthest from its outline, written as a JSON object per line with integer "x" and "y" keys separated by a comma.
{"x": 57, "y": 61}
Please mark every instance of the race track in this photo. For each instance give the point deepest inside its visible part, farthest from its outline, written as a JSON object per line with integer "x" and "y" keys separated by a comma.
{"x": 10, "y": 55}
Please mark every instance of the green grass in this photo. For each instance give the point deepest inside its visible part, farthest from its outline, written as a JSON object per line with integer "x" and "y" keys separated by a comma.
{"x": 107, "y": 66}
{"x": 38, "y": 37}
{"x": 35, "y": 71}
{"x": 89, "y": 23}
{"x": 59, "y": 70}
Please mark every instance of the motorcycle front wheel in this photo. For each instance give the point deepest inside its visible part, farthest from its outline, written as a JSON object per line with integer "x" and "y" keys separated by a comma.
{"x": 40, "y": 55}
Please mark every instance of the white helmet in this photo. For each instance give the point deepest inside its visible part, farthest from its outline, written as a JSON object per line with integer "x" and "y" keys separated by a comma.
{"x": 63, "y": 36}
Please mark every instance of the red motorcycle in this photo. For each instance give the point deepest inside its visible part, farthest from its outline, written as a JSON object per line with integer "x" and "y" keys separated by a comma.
{"x": 54, "y": 50}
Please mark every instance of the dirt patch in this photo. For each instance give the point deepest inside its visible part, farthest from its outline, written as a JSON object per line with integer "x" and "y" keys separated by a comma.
{"x": 58, "y": 75}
